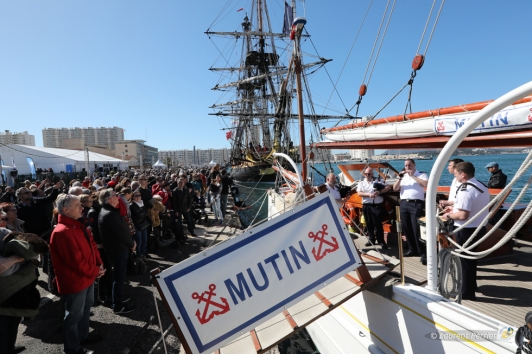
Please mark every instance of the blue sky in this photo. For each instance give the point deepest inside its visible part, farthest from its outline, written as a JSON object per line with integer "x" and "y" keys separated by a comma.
{"x": 143, "y": 65}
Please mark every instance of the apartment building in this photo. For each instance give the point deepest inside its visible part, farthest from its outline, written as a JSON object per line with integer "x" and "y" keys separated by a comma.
{"x": 54, "y": 137}
{"x": 195, "y": 156}
{"x": 22, "y": 138}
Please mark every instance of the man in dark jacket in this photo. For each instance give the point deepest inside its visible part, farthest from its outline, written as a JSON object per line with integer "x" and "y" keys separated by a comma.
{"x": 8, "y": 196}
{"x": 33, "y": 209}
{"x": 117, "y": 241}
{"x": 497, "y": 179}
{"x": 182, "y": 203}
{"x": 227, "y": 182}
{"x": 145, "y": 191}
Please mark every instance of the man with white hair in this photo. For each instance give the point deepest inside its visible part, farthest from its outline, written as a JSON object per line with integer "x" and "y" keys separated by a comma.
{"x": 77, "y": 264}
{"x": 75, "y": 191}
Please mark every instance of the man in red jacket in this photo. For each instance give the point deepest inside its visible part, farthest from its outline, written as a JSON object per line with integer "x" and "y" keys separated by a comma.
{"x": 77, "y": 264}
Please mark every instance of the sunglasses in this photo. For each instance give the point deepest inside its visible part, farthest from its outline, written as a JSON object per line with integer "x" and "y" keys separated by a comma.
{"x": 368, "y": 174}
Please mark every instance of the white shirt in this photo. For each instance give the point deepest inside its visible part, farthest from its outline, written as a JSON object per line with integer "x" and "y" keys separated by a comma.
{"x": 334, "y": 191}
{"x": 452, "y": 190}
{"x": 367, "y": 187}
{"x": 473, "y": 201}
{"x": 410, "y": 189}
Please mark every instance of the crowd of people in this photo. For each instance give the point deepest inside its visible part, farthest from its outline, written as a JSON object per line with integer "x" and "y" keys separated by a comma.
{"x": 82, "y": 235}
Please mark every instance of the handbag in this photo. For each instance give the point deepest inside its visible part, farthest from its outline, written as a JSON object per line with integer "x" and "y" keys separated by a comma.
{"x": 135, "y": 264}
{"x": 131, "y": 225}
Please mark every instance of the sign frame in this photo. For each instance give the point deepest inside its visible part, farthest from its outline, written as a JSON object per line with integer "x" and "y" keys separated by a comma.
{"x": 181, "y": 317}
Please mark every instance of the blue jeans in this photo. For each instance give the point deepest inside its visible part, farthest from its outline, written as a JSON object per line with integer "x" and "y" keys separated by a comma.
{"x": 223, "y": 204}
{"x": 216, "y": 209}
{"x": 76, "y": 321}
{"x": 120, "y": 268}
{"x": 141, "y": 238}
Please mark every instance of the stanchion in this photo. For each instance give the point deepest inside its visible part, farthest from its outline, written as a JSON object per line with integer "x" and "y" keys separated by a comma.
{"x": 154, "y": 278}
{"x": 400, "y": 243}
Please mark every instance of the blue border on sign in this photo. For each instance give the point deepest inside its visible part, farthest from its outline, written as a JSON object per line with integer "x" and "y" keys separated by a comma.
{"x": 168, "y": 280}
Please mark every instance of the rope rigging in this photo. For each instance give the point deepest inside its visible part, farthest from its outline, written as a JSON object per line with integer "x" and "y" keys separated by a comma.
{"x": 373, "y": 61}
{"x": 466, "y": 250}
{"x": 419, "y": 59}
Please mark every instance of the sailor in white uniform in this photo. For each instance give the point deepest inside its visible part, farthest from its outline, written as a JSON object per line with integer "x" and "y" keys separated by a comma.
{"x": 372, "y": 201}
{"x": 471, "y": 197}
{"x": 454, "y": 184}
{"x": 412, "y": 184}
{"x": 330, "y": 183}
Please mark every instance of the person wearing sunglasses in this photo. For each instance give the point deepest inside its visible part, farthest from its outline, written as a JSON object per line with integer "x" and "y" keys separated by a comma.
{"x": 12, "y": 222}
{"x": 34, "y": 211}
{"x": 371, "y": 192}
{"x": 411, "y": 184}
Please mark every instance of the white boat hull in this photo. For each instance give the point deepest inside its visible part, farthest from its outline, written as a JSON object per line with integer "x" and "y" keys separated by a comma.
{"x": 415, "y": 320}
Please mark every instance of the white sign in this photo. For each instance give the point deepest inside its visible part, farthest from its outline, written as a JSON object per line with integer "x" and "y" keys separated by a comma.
{"x": 228, "y": 290}
{"x": 511, "y": 118}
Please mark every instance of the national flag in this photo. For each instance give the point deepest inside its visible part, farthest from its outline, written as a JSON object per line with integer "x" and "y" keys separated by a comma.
{"x": 240, "y": 9}
{"x": 228, "y": 135}
{"x": 288, "y": 18}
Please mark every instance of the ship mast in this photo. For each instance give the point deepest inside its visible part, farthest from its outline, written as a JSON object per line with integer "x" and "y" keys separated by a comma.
{"x": 298, "y": 25}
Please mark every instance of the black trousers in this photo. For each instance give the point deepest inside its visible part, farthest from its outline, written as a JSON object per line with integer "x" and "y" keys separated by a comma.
{"x": 8, "y": 334}
{"x": 410, "y": 213}
{"x": 372, "y": 214}
{"x": 469, "y": 266}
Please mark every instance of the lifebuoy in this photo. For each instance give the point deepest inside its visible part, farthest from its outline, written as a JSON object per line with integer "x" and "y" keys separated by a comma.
{"x": 349, "y": 213}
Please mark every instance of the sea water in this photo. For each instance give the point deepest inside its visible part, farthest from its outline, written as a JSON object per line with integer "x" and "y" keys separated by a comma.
{"x": 254, "y": 194}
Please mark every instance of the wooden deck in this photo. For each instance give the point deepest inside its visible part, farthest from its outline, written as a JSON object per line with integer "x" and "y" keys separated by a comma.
{"x": 504, "y": 283}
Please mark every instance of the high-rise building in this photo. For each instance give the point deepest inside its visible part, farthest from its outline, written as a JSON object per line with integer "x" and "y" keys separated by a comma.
{"x": 22, "y": 138}
{"x": 53, "y": 137}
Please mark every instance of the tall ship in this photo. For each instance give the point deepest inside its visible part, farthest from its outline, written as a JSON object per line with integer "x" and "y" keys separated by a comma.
{"x": 258, "y": 90}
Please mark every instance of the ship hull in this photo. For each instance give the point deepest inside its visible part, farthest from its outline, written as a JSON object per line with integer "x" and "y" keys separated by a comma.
{"x": 253, "y": 173}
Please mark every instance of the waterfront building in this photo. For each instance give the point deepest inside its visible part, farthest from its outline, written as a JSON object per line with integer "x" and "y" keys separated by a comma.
{"x": 194, "y": 156}
{"x": 22, "y": 138}
{"x": 54, "y": 137}
{"x": 145, "y": 154}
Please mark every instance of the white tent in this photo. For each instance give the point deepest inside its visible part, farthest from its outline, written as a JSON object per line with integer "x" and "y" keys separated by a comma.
{"x": 29, "y": 158}
{"x": 159, "y": 164}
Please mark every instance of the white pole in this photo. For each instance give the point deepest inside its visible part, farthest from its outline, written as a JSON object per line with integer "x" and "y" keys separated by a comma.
{"x": 441, "y": 162}
{"x": 87, "y": 165}
{"x": 293, "y": 165}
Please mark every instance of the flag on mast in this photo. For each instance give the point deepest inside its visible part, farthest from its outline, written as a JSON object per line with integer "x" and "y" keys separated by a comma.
{"x": 240, "y": 9}
{"x": 288, "y": 18}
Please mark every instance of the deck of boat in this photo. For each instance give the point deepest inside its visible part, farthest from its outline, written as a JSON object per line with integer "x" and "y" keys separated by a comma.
{"x": 504, "y": 283}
